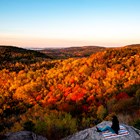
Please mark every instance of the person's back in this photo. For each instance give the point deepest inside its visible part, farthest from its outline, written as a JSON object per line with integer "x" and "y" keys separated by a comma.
{"x": 115, "y": 124}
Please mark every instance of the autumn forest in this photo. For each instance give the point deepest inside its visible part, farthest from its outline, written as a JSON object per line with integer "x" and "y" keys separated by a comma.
{"x": 58, "y": 97}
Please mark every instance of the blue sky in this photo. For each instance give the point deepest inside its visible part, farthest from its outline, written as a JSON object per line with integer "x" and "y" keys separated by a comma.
{"x": 64, "y": 23}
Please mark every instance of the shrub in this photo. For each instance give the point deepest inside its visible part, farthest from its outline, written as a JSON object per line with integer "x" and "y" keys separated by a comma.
{"x": 122, "y": 95}
{"x": 1, "y": 127}
{"x": 41, "y": 127}
{"x": 123, "y": 106}
{"x": 137, "y": 124}
{"x": 101, "y": 112}
{"x": 29, "y": 126}
{"x": 138, "y": 96}
{"x": 56, "y": 125}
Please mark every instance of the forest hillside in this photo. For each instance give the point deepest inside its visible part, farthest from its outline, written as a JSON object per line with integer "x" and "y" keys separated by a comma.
{"x": 10, "y": 55}
{"x": 75, "y": 52}
{"x": 56, "y": 98}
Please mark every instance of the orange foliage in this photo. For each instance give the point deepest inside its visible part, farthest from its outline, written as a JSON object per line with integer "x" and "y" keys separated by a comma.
{"x": 86, "y": 82}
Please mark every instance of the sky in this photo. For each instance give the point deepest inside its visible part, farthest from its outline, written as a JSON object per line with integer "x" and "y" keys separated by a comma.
{"x": 66, "y": 23}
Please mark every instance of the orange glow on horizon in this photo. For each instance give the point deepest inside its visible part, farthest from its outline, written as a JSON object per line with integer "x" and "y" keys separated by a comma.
{"x": 42, "y": 42}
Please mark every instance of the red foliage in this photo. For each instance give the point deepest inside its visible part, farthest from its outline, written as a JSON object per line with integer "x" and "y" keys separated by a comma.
{"x": 121, "y": 73}
{"x": 90, "y": 98}
{"x": 66, "y": 94}
{"x": 72, "y": 81}
{"x": 59, "y": 86}
{"x": 52, "y": 100}
{"x": 77, "y": 96}
{"x": 67, "y": 91}
{"x": 65, "y": 107}
{"x": 122, "y": 95}
{"x": 85, "y": 108}
{"x": 38, "y": 97}
{"x": 52, "y": 88}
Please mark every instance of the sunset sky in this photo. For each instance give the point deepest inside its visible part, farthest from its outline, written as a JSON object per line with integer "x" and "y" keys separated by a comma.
{"x": 65, "y": 23}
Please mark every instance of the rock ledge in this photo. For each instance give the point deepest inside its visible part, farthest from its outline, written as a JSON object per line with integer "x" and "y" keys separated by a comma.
{"x": 23, "y": 135}
{"x": 92, "y": 134}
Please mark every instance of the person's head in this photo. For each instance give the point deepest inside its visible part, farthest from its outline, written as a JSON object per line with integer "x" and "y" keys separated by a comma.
{"x": 114, "y": 118}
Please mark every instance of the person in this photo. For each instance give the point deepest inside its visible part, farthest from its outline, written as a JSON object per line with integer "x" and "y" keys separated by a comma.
{"x": 114, "y": 128}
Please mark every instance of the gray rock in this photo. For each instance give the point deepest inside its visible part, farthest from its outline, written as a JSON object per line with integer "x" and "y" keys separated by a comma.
{"x": 87, "y": 134}
{"x": 23, "y": 135}
{"x": 92, "y": 134}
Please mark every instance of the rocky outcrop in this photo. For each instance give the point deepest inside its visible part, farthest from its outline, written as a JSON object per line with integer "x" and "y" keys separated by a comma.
{"x": 23, "y": 135}
{"x": 92, "y": 134}
{"x": 87, "y": 134}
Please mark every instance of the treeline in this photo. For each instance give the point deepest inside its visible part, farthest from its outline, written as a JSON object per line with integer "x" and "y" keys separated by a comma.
{"x": 11, "y": 57}
{"x": 47, "y": 95}
{"x": 72, "y": 52}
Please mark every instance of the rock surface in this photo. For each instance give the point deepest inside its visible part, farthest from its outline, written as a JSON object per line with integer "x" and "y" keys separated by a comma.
{"x": 23, "y": 135}
{"x": 87, "y": 134}
{"x": 92, "y": 134}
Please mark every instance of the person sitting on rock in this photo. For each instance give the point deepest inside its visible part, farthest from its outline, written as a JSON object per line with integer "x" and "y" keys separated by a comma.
{"x": 114, "y": 128}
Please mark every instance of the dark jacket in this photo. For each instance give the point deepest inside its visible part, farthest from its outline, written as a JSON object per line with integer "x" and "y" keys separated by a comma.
{"x": 115, "y": 125}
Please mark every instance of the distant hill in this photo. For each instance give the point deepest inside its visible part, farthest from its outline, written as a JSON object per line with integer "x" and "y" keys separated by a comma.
{"x": 77, "y": 52}
{"x": 132, "y": 45}
{"x": 11, "y": 57}
{"x": 12, "y": 53}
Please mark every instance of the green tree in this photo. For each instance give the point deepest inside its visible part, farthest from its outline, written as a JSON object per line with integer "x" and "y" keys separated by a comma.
{"x": 138, "y": 96}
{"x": 101, "y": 112}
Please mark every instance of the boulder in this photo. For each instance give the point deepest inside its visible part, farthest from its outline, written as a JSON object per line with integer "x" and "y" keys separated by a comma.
{"x": 23, "y": 135}
{"x": 92, "y": 134}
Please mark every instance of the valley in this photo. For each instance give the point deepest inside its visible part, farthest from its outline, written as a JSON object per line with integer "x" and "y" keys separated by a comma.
{"x": 58, "y": 95}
